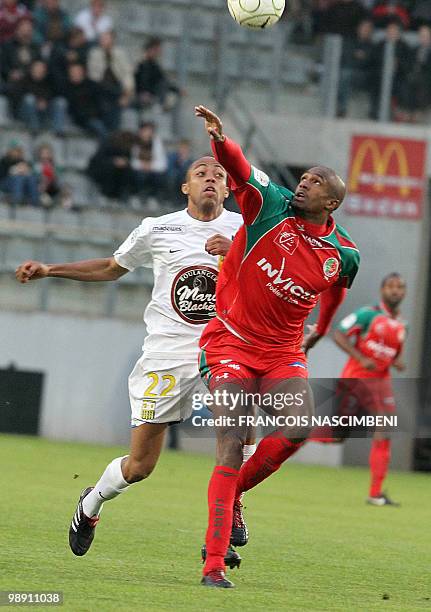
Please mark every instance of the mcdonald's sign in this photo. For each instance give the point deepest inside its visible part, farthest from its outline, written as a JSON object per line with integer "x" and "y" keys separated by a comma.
{"x": 387, "y": 177}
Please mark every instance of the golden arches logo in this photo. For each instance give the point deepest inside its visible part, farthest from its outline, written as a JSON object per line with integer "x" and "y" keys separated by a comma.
{"x": 380, "y": 161}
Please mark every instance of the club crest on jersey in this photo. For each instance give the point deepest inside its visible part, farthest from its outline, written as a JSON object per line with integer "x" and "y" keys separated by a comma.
{"x": 193, "y": 294}
{"x": 287, "y": 240}
{"x": 330, "y": 267}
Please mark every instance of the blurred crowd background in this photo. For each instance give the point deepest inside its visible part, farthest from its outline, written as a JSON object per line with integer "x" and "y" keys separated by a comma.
{"x": 71, "y": 73}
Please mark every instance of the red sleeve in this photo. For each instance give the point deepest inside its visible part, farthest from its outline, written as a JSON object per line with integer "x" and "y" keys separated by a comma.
{"x": 330, "y": 300}
{"x": 231, "y": 157}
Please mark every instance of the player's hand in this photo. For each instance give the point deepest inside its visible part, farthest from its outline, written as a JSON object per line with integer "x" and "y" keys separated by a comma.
{"x": 399, "y": 365}
{"x": 218, "y": 245}
{"x": 213, "y": 124}
{"x": 367, "y": 363}
{"x": 311, "y": 338}
{"x": 31, "y": 270}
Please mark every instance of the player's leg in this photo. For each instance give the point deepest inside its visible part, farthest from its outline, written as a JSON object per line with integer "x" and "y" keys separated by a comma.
{"x": 281, "y": 444}
{"x": 146, "y": 445}
{"x": 231, "y": 435}
{"x": 239, "y": 535}
{"x": 380, "y": 402}
{"x": 379, "y": 460}
{"x": 345, "y": 403}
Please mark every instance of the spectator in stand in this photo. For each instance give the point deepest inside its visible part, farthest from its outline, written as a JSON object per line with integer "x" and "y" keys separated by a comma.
{"x": 415, "y": 90}
{"x": 344, "y": 16}
{"x": 49, "y": 177}
{"x": 393, "y": 33}
{"x": 421, "y": 13}
{"x": 51, "y": 22}
{"x": 150, "y": 160}
{"x": 109, "y": 66}
{"x": 151, "y": 82}
{"x": 83, "y": 98}
{"x": 11, "y": 12}
{"x": 94, "y": 21}
{"x": 386, "y": 11}
{"x": 33, "y": 101}
{"x": 75, "y": 51}
{"x": 111, "y": 165}
{"x": 358, "y": 71}
{"x": 319, "y": 14}
{"x": 19, "y": 53}
{"x": 178, "y": 162}
{"x": 17, "y": 178}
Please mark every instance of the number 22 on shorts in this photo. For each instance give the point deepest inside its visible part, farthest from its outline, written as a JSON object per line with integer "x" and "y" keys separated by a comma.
{"x": 167, "y": 379}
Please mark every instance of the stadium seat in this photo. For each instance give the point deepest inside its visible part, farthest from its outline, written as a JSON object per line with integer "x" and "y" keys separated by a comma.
{"x": 130, "y": 119}
{"x": 4, "y": 111}
{"x": 78, "y": 152}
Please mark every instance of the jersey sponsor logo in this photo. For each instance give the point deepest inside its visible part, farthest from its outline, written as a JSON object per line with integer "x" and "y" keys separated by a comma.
{"x": 260, "y": 177}
{"x": 193, "y": 294}
{"x": 330, "y": 267}
{"x": 287, "y": 240}
{"x": 381, "y": 350}
{"x": 282, "y": 286}
{"x": 168, "y": 229}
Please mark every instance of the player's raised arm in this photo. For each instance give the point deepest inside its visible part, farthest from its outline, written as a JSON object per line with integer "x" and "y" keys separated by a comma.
{"x": 90, "y": 270}
{"x": 226, "y": 151}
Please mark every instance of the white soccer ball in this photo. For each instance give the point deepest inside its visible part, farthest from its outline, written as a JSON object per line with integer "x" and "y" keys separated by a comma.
{"x": 256, "y": 13}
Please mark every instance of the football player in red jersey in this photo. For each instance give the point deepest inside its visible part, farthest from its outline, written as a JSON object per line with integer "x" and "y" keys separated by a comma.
{"x": 378, "y": 334}
{"x": 289, "y": 252}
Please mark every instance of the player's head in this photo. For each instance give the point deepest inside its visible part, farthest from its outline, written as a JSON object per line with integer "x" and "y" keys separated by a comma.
{"x": 320, "y": 190}
{"x": 206, "y": 184}
{"x": 393, "y": 289}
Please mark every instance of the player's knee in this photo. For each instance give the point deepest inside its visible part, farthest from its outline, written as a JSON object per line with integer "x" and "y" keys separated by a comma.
{"x": 135, "y": 471}
{"x": 230, "y": 449}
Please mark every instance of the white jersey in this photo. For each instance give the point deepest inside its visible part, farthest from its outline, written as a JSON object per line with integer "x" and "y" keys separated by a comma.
{"x": 185, "y": 275}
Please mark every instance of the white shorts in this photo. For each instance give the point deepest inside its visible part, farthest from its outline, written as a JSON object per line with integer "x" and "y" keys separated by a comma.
{"x": 163, "y": 390}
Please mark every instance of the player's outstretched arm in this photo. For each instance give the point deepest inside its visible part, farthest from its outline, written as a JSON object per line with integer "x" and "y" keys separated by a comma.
{"x": 343, "y": 341}
{"x": 226, "y": 151}
{"x": 89, "y": 270}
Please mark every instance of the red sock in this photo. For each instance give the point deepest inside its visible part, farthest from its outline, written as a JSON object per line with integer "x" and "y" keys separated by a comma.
{"x": 271, "y": 452}
{"x": 323, "y": 434}
{"x": 380, "y": 457}
{"x": 221, "y": 493}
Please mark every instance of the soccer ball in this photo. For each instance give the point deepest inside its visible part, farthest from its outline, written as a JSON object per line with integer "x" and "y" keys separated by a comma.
{"x": 256, "y": 13}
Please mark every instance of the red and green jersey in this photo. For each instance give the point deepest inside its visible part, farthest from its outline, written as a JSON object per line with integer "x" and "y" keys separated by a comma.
{"x": 278, "y": 264}
{"x": 378, "y": 335}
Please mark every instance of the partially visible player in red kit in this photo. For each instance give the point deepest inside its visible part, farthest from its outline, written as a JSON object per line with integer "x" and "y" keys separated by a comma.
{"x": 288, "y": 253}
{"x": 373, "y": 337}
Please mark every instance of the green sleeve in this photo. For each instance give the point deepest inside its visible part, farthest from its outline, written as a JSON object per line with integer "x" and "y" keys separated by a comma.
{"x": 358, "y": 321}
{"x": 275, "y": 199}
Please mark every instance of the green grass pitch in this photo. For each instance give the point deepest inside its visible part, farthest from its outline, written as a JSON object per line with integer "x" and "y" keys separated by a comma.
{"x": 314, "y": 543}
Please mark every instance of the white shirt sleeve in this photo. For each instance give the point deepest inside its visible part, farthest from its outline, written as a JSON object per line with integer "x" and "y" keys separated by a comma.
{"x": 136, "y": 249}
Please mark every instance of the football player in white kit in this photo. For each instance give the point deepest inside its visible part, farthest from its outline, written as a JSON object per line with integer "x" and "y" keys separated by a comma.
{"x": 184, "y": 249}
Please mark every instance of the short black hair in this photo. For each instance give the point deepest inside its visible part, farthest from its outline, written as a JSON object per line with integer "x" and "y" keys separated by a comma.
{"x": 389, "y": 276}
{"x": 154, "y": 41}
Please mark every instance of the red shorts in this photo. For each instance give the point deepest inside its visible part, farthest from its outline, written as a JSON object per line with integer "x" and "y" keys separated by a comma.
{"x": 226, "y": 358}
{"x": 369, "y": 395}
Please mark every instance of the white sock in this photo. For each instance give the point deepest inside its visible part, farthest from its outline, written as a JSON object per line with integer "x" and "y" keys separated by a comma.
{"x": 110, "y": 485}
{"x": 247, "y": 451}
